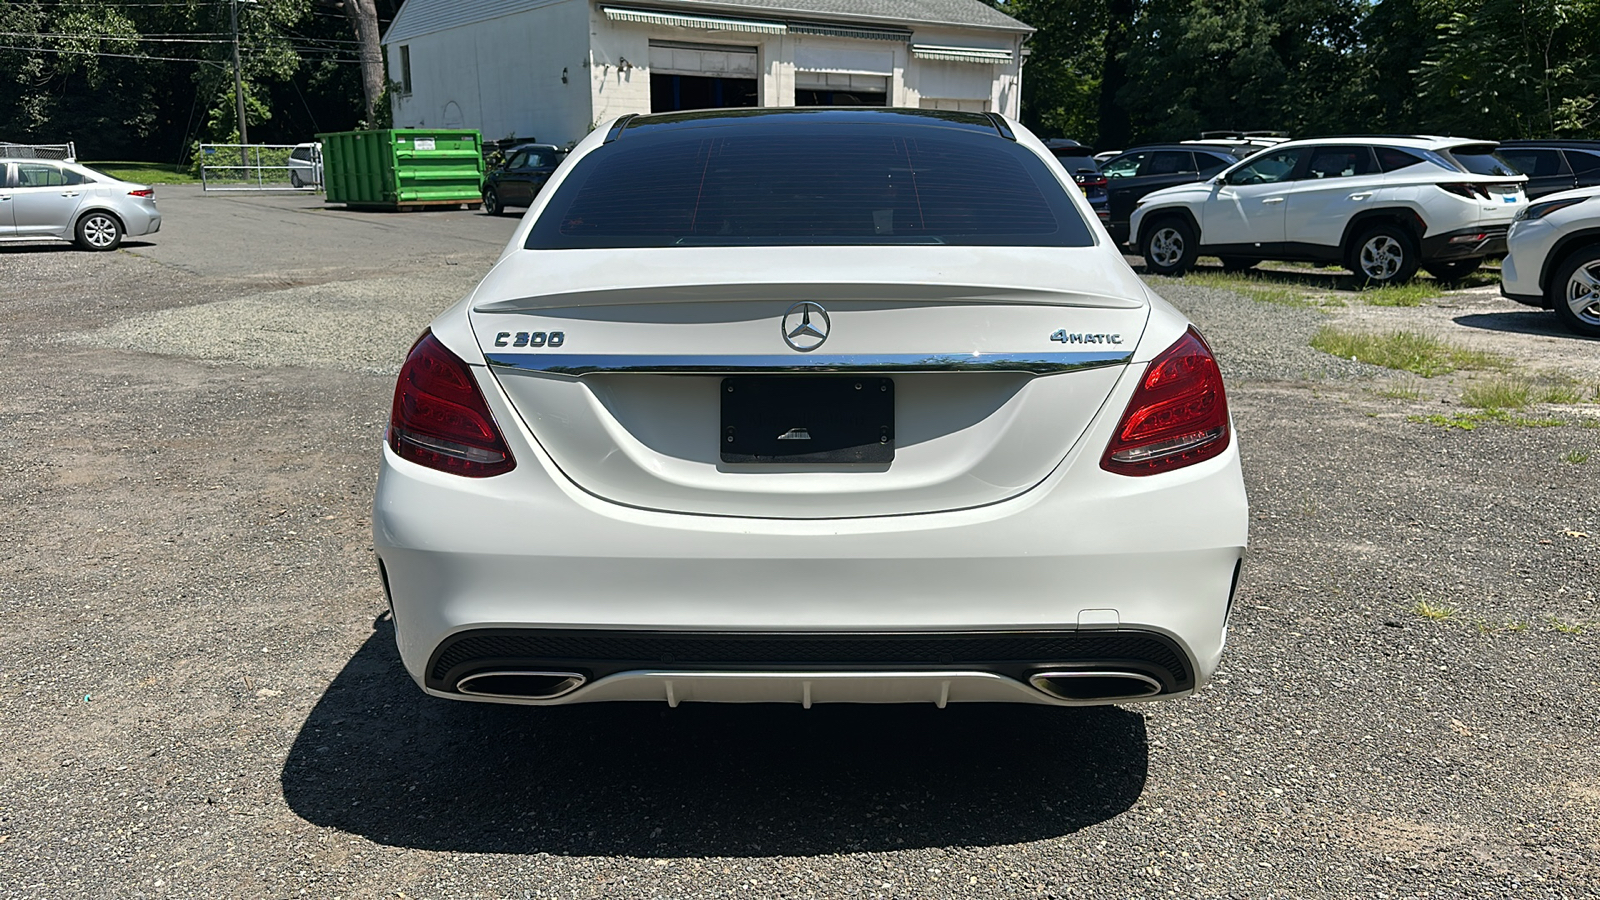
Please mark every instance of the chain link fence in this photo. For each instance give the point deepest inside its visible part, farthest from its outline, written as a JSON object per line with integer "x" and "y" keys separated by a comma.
{"x": 63, "y": 152}
{"x": 260, "y": 167}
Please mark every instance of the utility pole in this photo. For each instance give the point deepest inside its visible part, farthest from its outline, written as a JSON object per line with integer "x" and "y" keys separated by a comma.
{"x": 238, "y": 83}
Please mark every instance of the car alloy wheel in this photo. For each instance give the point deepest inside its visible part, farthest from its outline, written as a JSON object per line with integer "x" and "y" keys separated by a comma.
{"x": 1166, "y": 246}
{"x": 100, "y": 232}
{"x": 1583, "y": 294}
{"x": 1382, "y": 258}
{"x": 491, "y": 203}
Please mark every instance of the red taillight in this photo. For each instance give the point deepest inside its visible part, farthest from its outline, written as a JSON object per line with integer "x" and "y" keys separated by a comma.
{"x": 1469, "y": 190}
{"x": 147, "y": 192}
{"x": 1178, "y": 415}
{"x": 440, "y": 419}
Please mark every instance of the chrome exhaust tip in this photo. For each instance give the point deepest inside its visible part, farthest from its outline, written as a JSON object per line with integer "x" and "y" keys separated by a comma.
{"x": 1087, "y": 685}
{"x": 521, "y": 685}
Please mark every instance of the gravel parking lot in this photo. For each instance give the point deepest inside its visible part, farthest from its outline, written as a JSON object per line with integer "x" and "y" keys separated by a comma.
{"x": 200, "y": 695}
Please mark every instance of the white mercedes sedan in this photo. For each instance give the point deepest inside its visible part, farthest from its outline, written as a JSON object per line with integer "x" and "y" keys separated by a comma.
{"x": 810, "y": 406}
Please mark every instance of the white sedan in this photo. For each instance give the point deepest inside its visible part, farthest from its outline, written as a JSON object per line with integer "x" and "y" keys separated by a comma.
{"x": 810, "y": 406}
{"x": 1553, "y": 258}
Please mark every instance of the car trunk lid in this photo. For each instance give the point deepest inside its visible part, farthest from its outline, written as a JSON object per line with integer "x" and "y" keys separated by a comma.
{"x": 620, "y": 371}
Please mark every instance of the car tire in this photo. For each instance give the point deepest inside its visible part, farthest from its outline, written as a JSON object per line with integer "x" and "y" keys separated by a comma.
{"x": 1383, "y": 255}
{"x": 1237, "y": 263}
{"x": 1575, "y": 292}
{"x": 1169, "y": 247}
{"x": 294, "y": 180}
{"x": 1454, "y": 270}
{"x": 492, "y": 204}
{"x": 99, "y": 231}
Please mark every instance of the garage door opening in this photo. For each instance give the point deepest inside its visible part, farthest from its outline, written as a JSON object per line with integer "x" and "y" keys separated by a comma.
{"x": 702, "y": 76}
{"x": 670, "y": 93}
{"x": 836, "y": 89}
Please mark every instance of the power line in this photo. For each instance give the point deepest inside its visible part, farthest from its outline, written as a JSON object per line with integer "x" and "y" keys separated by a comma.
{"x": 192, "y": 59}
{"x": 311, "y": 55}
{"x": 43, "y": 35}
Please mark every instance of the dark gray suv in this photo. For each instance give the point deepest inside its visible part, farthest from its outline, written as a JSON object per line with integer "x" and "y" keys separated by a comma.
{"x": 527, "y": 168}
{"x": 1554, "y": 165}
{"x": 1134, "y": 173}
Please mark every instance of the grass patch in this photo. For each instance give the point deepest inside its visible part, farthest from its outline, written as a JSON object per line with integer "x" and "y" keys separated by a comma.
{"x": 1560, "y": 393}
{"x": 1481, "y": 278}
{"x": 1412, "y": 293}
{"x": 1499, "y": 393}
{"x": 145, "y": 172}
{"x": 1566, "y": 627}
{"x": 1400, "y": 393}
{"x": 1406, "y": 351}
{"x": 1471, "y": 420}
{"x": 1436, "y": 612}
{"x": 1576, "y": 457}
{"x": 1462, "y": 421}
{"x": 1252, "y": 286}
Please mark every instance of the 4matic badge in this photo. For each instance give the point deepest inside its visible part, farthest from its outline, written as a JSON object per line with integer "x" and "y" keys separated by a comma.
{"x": 1066, "y": 337}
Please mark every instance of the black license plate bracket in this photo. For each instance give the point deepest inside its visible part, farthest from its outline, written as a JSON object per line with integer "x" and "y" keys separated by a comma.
{"x": 807, "y": 419}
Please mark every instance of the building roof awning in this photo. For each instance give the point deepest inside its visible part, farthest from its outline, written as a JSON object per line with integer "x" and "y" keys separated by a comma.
{"x": 846, "y": 31}
{"x": 709, "y": 23}
{"x": 980, "y": 55}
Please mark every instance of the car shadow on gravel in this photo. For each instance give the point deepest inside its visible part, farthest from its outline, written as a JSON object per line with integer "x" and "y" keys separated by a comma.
{"x": 1531, "y": 321}
{"x": 46, "y": 245}
{"x": 380, "y": 759}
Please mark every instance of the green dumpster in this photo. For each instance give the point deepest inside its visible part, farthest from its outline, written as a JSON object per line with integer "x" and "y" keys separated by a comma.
{"x": 402, "y": 167}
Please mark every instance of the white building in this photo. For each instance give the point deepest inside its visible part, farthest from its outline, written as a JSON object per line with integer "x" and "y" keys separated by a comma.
{"x": 552, "y": 70}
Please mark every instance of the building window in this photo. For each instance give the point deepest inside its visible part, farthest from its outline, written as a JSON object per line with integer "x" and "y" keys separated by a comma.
{"x": 405, "y": 69}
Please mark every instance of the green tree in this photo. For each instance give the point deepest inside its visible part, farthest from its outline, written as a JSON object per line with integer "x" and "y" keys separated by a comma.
{"x": 1061, "y": 78}
{"x": 1512, "y": 68}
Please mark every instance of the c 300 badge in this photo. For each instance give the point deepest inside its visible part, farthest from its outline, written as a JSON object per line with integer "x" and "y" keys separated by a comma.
{"x": 530, "y": 339}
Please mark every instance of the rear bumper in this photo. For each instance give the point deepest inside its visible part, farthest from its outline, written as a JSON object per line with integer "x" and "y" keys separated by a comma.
{"x": 1465, "y": 243}
{"x": 803, "y": 667}
{"x": 1087, "y": 557}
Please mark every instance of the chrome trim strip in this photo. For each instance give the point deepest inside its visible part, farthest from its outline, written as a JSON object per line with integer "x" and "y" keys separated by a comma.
{"x": 586, "y": 364}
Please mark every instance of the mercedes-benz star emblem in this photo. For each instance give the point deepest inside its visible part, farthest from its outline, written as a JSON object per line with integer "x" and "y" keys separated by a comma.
{"x": 805, "y": 326}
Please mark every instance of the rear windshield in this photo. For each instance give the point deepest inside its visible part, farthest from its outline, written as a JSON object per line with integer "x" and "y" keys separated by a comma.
{"x": 1483, "y": 161}
{"x": 823, "y": 184}
{"x": 1075, "y": 161}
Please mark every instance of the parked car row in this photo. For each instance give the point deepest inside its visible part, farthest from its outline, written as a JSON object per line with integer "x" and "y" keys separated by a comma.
{"x": 1380, "y": 206}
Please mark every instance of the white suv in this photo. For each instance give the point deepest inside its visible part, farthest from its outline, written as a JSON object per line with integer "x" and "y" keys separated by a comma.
{"x": 1555, "y": 258}
{"x": 1381, "y": 206}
